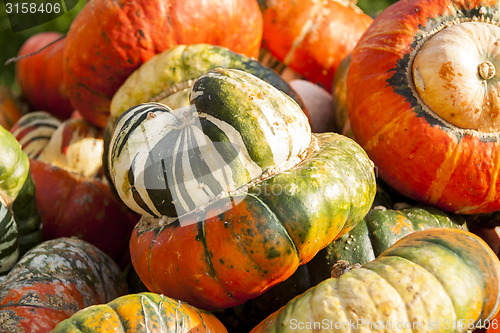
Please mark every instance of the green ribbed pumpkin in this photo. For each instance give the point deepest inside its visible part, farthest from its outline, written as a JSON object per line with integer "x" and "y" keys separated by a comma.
{"x": 234, "y": 190}
{"x": 18, "y": 202}
{"x": 428, "y": 281}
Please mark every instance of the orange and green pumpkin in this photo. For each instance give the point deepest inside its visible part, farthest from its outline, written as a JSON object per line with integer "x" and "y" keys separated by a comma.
{"x": 435, "y": 280}
{"x": 423, "y": 101}
{"x": 143, "y": 312}
{"x": 379, "y": 229}
{"x": 234, "y": 190}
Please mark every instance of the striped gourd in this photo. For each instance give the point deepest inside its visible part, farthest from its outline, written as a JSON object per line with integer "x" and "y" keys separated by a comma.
{"x": 9, "y": 239}
{"x": 234, "y": 190}
{"x": 168, "y": 162}
{"x": 143, "y": 312}
{"x": 435, "y": 280}
{"x": 17, "y": 191}
{"x": 168, "y": 77}
{"x": 34, "y": 130}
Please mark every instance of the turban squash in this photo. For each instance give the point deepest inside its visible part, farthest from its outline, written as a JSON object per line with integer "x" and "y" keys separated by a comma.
{"x": 423, "y": 101}
{"x": 108, "y": 40}
{"x": 143, "y": 312}
{"x": 436, "y": 280}
{"x": 54, "y": 280}
{"x": 234, "y": 190}
{"x": 20, "y": 222}
{"x": 378, "y": 230}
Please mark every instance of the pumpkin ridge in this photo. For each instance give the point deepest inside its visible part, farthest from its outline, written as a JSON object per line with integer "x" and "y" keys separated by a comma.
{"x": 402, "y": 301}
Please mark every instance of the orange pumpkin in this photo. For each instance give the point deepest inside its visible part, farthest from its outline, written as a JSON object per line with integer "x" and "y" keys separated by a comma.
{"x": 312, "y": 37}
{"x": 40, "y": 75}
{"x": 423, "y": 101}
{"x": 108, "y": 40}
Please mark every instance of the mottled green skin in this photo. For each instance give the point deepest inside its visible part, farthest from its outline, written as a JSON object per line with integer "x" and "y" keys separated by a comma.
{"x": 440, "y": 275}
{"x": 263, "y": 238}
{"x": 18, "y": 190}
{"x": 378, "y": 230}
{"x": 324, "y": 196}
{"x": 143, "y": 312}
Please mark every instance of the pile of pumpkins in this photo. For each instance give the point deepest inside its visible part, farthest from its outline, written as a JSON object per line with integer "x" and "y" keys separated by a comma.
{"x": 317, "y": 177}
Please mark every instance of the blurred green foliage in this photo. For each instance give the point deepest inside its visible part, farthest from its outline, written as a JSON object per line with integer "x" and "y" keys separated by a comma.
{"x": 374, "y": 7}
{"x": 10, "y": 42}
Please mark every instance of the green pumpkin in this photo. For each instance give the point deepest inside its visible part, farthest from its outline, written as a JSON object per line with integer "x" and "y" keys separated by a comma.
{"x": 431, "y": 280}
{"x": 234, "y": 190}
{"x": 17, "y": 195}
{"x": 378, "y": 230}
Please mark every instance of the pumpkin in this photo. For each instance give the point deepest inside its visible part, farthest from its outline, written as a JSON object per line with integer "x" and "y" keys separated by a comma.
{"x": 378, "y": 230}
{"x": 72, "y": 198}
{"x": 167, "y": 78}
{"x": 18, "y": 203}
{"x": 312, "y": 37}
{"x": 257, "y": 196}
{"x": 143, "y": 312}
{"x": 437, "y": 280}
{"x": 108, "y": 40}
{"x": 53, "y": 281}
{"x": 11, "y": 108}
{"x": 422, "y": 101}
{"x": 40, "y": 73}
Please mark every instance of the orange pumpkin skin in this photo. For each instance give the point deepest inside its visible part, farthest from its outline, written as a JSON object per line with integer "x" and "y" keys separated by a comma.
{"x": 108, "y": 40}
{"x": 41, "y": 75}
{"x": 11, "y": 109}
{"x": 73, "y": 205}
{"x": 312, "y": 37}
{"x": 419, "y": 155}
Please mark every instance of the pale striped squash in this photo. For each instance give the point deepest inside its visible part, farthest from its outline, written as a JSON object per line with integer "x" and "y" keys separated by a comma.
{"x": 238, "y": 129}
{"x": 9, "y": 239}
{"x": 34, "y": 130}
{"x": 17, "y": 194}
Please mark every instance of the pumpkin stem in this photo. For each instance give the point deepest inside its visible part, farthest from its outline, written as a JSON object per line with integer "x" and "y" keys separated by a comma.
{"x": 486, "y": 70}
{"x": 16, "y": 59}
{"x": 341, "y": 267}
